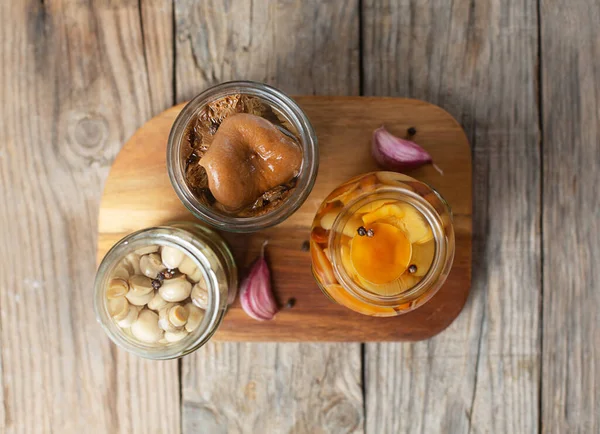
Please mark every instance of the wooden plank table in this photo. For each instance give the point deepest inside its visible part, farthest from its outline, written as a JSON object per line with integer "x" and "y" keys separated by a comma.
{"x": 522, "y": 77}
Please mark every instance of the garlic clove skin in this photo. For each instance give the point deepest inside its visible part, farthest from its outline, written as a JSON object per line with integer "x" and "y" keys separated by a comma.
{"x": 117, "y": 288}
{"x": 195, "y": 317}
{"x": 157, "y": 302}
{"x": 187, "y": 266}
{"x": 171, "y": 257}
{"x": 174, "y": 290}
{"x": 146, "y": 328}
{"x": 178, "y": 315}
{"x": 147, "y": 250}
{"x": 199, "y": 295}
{"x": 118, "y": 308}
{"x": 151, "y": 265}
{"x": 175, "y": 336}
{"x": 139, "y": 300}
{"x": 140, "y": 285}
{"x": 397, "y": 154}
{"x": 133, "y": 259}
{"x": 131, "y": 317}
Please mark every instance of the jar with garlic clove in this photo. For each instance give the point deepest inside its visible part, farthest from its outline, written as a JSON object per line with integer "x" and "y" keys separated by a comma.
{"x": 144, "y": 289}
{"x": 382, "y": 244}
{"x": 242, "y": 156}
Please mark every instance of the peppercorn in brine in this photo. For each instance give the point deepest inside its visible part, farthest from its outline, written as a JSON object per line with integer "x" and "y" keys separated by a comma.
{"x": 369, "y": 237}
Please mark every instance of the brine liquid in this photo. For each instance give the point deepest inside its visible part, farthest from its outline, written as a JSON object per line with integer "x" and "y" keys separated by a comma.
{"x": 387, "y": 246}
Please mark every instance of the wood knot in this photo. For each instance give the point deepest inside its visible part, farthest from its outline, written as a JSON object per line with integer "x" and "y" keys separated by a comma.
{"x": 90, "y": 131}
{"x": 342, "y": 416}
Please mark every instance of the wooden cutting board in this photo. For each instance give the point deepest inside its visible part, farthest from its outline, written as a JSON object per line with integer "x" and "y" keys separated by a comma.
{"x": 138, "y": 195}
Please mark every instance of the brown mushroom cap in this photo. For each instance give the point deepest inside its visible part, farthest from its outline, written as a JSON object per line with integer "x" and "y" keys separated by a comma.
{"x": 247, "y": 157}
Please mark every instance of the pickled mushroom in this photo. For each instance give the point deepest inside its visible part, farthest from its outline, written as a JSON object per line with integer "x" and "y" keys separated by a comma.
{"x": 249, "y": 156}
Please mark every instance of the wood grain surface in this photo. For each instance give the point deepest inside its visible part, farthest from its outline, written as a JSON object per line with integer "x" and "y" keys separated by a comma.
{"x": 571, "y": 130}
{"x": 74, "y": 87}
{"x": 302, "y": 47}
{"x": 79, "y": 77}
{"x": 138, "y": 181}
{"x": 478, "y": 61}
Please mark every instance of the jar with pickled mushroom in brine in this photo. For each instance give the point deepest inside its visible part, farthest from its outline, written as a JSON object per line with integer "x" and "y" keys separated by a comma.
{"x": 382, "y": 244}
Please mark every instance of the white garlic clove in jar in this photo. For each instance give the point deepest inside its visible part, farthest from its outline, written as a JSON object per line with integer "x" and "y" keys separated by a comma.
{"x": 131, "y": 317}
{"x": 157, "y": 302}
{"x": 195, "y": 317}
{"x": 147, "y": 250}
{"x": 137, "y": 299}
{"x": 117, "y": 288}
{"x": 151, "y": 265}
{"x": 178, "y": 315}
{"x": 171, "y": 257}
{"x": 133, "y": 260}
{"x": 175, "y": 336}
{"x": 146, "y": 328}
{"x": 140, "y": 285}
{"x": 199, "y": 295}
{"x": 118, "y": 308}
{"x": 174, "y": 290}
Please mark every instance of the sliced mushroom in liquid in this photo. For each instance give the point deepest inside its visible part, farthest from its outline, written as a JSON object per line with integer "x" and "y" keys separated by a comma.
{"x": 176, "y": 336}
{"x": 151, "y": 265}
{"x": 131, "y": 317}
{"x": 163, "y": 319}
{"x": 157, "y": 302}
{"x": 195, "y": 317}
{"x": 139, "y": 300}
{"x": 199, "y": 295}
{"x": 174, "y": 290}
{"x": 153, "y": 248}
{"x": 171, "y": 257}
{"x": 140, "y": 285}
{"x": 122, "y": 272}
{"x": 178, "y": 315}
{"x": 118, "y": 308}
{"x": 146, "y": 328}
{"x": 117, "y": 287}
{"x": 187, "y": 266}
{"x": 133, "y": 259}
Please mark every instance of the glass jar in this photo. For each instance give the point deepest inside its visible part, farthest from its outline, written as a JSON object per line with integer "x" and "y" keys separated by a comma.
{"x": 212, "y": 257}
{"x": 298, "y": 123}
{"x": 382, "y": 244}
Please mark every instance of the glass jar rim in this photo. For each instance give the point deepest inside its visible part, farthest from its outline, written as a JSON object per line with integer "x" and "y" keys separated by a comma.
{"x": 306, "y": 178}
{"x": 163, "y": 236}
{"x": 443, "y": 251}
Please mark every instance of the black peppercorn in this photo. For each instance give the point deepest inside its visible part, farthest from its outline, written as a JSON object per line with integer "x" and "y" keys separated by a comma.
{"x": 370, "y": 233}
{"x": 411, "y": 131}
{"x": 290, "y": 303}
{"x": 305, "y": 246}
{"x": 361, "y": 231}
{"x": 168, "y": 274}
{"x": 412, "y": 269}
{"x": 156, "y": 283}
